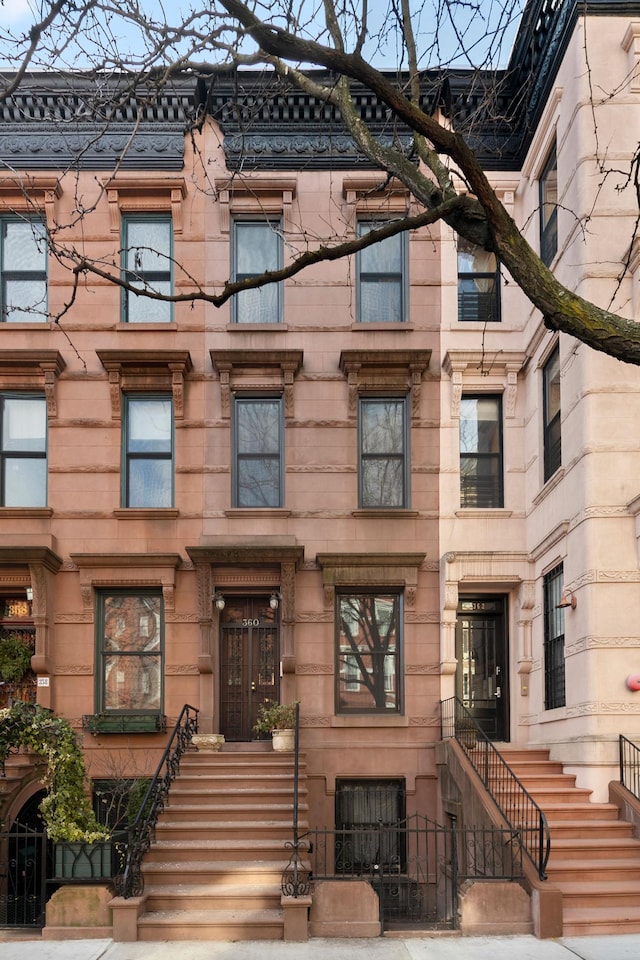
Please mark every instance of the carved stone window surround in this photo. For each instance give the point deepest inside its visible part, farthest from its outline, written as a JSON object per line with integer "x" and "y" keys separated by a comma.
{"x": 30, "y": 194}
{"x": 142, "y": 195}
{"x": 257, "y": 370}
{"x": 484, "y": 372}
{"x": 370, "y": 195}
{"x": 384, "y": 372}
{"x": 256, "y": 196}
{"x": 32, "y": 370}
{"x": 126, "y": 570}
{"x": 146, "y": 371}
{"x": 379, "y": 570}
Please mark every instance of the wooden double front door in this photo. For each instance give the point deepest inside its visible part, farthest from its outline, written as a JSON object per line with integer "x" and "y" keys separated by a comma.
{"x": 249, "y": 663}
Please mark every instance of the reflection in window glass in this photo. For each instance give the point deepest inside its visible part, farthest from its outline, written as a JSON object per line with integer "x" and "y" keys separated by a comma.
{"x": 130, "y": 651}
{"x": 258, "y": 452}
{"x": 23, "y": 451}
{"x": 368, "y": 653}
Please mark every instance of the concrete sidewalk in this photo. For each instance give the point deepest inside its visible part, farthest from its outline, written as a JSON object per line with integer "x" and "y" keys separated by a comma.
{"x": 625, "y": 947}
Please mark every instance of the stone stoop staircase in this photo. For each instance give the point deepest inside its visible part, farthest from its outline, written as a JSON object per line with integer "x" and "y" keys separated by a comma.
{"x": 215, "y": 867}
{"x": 595, "y": 860}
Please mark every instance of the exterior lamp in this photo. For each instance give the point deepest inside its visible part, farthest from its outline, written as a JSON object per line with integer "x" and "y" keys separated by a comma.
{"x": 218, "y": 599}
{"x": 29, "y": 592}
{"x": 274, "y": 600}
{"x": 568, "y": 599}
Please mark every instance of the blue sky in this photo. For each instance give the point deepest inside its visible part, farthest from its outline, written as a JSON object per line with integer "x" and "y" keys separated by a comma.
{"x": 16, "y": 16}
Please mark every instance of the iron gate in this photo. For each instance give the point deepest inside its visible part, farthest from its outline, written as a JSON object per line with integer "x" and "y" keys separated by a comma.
{"x": 23, "y": 873}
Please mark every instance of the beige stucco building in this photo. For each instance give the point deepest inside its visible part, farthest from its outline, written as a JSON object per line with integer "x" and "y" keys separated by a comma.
{"x": 367, "y": 488}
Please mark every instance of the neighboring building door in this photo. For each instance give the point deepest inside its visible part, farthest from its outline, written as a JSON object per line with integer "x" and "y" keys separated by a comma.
{"x": 482, "y": 673}
{"x": 249, "y": 663}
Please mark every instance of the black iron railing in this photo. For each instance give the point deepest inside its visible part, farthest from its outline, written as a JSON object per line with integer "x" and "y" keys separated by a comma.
{"x": 130, "y": 882}
{"x": 515, "y": 803}
{"x": 629, "y": 766}
{"x": 296, "y": 881}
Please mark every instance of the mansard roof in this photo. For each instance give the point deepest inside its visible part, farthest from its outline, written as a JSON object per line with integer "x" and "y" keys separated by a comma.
{"x": 57, "y": 120}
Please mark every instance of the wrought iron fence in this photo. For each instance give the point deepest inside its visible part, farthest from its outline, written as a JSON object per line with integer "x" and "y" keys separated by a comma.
{"x": 130, "y": 883}
{"x": 629, "y": 766}
{"x": 415, "y": 865}
{"x": 516, "y": 804}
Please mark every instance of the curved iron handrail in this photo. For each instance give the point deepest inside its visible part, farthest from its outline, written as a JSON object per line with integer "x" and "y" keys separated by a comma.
{"x": 514, "y": 801}
{"x": 130, "y": 882}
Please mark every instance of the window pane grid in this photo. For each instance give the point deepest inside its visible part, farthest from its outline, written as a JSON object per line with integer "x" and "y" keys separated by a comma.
{"x": 383, "y": 455}
{"x": 23, "y": 452}
{"x": 554, "y": 660}
{"x": 23, "y": 280}
{"x": 148, "y": 452}
{"x": 481, "y": 468}
{"x": 257, "y": 249}
{"x": 258, "y": 452}
{"x": 147, "y": 262}
{"x": 381, "y": 282}
{"x": 552, "y": 427}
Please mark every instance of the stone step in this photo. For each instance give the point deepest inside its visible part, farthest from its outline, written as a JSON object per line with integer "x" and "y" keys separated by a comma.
{"x": 600, "y": 921}
{"x": 596, "y": 830}
{"x": 545, "y": 796}
{"x": 596, "y": 893}
{"x": 557, "y": 812}
{"x": 189, "y": 850}
{"x": 596, "y": 848}
{"x": 245, "y": 924}
{"x": 233, "y": 782}
{"x": 230, "y": 811}
{"x": 212, "y": 872}
{"x": 209, "y": 829}
{"x": 214, "y": 896}
{"x": 606, "y": 869}
{"x": 534, "y": 781}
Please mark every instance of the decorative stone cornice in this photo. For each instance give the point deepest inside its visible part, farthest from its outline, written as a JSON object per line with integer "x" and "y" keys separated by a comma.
{"x": 32, "y": 369}
{"x": 257, "y": 370}
{"x": 145, "y": 194}
{"x": 146, "y": 370}
{"x": 384, "y": 371}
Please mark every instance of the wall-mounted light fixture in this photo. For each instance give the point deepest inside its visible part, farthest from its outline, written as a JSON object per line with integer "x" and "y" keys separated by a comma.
{"x": 218, "y": 599}
{"x": 568, "y": 599}
{"x": 29, "y": 592}
{"x": 275, "y": 599}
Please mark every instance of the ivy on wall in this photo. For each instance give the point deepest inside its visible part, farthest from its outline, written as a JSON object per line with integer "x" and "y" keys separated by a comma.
{"x": 66, "y": 809}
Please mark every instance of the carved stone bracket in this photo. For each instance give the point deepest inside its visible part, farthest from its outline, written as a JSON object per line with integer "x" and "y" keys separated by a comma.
{"x": 146, "y": 370}
{"x": 257, "y": 370}
{"x": 29, "y": 369}
{"x": 384, "y": 371}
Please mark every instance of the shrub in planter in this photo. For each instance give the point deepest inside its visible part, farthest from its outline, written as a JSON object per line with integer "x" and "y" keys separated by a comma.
{"x": 275, "y": 716}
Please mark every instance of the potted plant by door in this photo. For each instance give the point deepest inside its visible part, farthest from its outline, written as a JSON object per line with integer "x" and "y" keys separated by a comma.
{"x": 278, "y": 719}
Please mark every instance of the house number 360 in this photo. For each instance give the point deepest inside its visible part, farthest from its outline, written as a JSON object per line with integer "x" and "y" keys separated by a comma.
{"x": 249, "y": 622}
